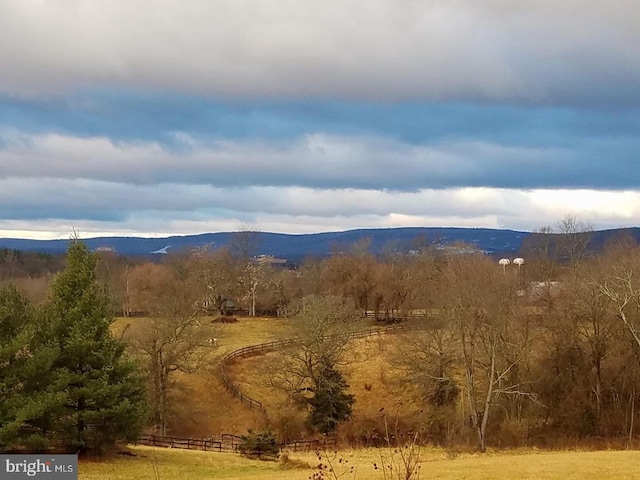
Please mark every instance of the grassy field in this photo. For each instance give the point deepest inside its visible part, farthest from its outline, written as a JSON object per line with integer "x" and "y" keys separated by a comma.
{"x": 158, "y": 464}
{"x": 374, "y": 382}
{"x": 247, "y": 331}
{"x": 201, "y": 404}
{"x": 203, "y": 407}
{"x": 208, "y": 409}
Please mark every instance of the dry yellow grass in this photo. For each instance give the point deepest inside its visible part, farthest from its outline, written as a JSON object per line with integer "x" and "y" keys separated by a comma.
{"x": 168, "y": 464}
{"x": 202, "y": 406}
{"x": 189, "y": 465}
{"x": 373, "y": 381}
{"x": 248, "y": 330}
{"x": 208, "y": 409}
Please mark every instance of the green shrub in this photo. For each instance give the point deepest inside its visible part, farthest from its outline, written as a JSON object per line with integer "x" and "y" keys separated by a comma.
{"x": 260, "y": 444}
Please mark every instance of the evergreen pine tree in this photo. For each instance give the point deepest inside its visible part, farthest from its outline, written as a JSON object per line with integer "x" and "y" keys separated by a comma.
{"x": 27, "y": 403}
{"x": 330, "y": 405}
{"x": 104, "y": 397}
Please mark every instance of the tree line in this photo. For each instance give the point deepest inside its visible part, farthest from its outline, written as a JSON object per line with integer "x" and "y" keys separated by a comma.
{"x": 548, "y": 349}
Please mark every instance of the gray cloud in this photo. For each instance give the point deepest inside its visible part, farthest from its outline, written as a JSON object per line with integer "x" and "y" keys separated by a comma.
{"x": 267, "y": 148}
{"x": 174, "y": 208}
{"x": 104, "y": 201}
{"x": 323, "y": 161}
{"x": 576, "y": 51}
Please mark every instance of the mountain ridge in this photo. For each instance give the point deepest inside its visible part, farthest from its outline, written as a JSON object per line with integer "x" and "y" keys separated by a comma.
{"x": 492, "y": 241}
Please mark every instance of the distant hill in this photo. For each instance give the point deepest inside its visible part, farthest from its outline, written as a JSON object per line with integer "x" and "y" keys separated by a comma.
{"x": 296, "y": 247}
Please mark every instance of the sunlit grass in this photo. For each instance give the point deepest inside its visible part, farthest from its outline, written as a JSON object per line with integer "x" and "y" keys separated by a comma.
{"x": 201, "y": 404}
{"x": 153, "y": 464}
{"x": 191, "y": 465}
{"x": 247, "y": 331}
{"x": 373, "y": 381}
{"x": 251, "y": 331}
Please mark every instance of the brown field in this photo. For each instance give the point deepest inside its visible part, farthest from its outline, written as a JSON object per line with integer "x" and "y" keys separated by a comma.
{"x": 248, "y": 330}
{"x": 168, "y": 464}
{"x": 373, "y": 381}
{"x": 202, "y": 406}
{"x": 205, "y": 408}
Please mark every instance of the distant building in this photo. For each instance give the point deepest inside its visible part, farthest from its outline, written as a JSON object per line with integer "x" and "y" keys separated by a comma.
{"x": 270, "y": 259}
{"x": 103, "y": 249}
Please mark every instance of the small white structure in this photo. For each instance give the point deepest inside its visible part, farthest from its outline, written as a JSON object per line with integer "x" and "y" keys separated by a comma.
{"x": 518, "y": 261}
{"x": 504, "y": 262}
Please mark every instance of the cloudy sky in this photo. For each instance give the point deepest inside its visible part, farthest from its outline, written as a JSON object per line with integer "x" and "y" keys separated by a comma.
{"x": 154, "y": 117}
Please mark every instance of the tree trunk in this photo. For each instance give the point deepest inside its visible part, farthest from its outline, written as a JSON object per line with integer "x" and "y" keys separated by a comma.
{"x": 633, "y": 413}
{"x": 253, "y": 301}
{"x": 160, "y": 385}
{"x": 482, "y": 428}
{"x": 598, "y": 390}
{"x": 81, "y": 425}
{"x": 126, "y": 309}
{"x": 163, "y": 405}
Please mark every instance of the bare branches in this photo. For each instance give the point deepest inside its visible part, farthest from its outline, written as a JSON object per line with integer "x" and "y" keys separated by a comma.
{"x": 622, "y": 290}
{"x": 173, "y": 338}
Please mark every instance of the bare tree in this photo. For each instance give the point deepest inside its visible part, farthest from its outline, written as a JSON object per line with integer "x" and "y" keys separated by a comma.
{"x": 114, "y": 271}
{"x": 307, "y": 369}
{"x": 244, "y": 245}
{"x": 593, "y": 322}
{"x": 353, "y": 274}
{"x": 494, "y": 338}
{"x": 551, "y": 247}
{"x": 285, "y": 289}
{"x": 253, "y": 278}
{"x": 574, "y": 238}
{"x": 173, "y": 338}
{"x": 620, "y": 284}
{"x": 218, "y": 272}
{"x": 539, "y": 249}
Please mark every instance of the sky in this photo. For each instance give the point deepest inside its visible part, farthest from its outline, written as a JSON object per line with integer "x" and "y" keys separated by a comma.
{"x": 164, "y": 117}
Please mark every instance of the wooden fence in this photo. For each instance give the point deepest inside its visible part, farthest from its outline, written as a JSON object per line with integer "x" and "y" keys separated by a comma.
{"x": 223, "y": 443}
{"x": 261, "y": 348}
{"x": 230, "y": 443}
{"x": 226, "y": 443}
{"x": 398, "y": 315}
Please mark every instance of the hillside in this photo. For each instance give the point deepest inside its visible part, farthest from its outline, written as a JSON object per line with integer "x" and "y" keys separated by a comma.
{"x": 296, "y": 247}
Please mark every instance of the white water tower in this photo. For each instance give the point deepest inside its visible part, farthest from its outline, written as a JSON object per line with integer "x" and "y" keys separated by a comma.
{"x": 504, "y": 262}
{"x": 518, "y": 261}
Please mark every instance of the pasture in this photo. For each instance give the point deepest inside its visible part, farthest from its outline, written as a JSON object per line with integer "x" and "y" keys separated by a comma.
{"x": 158, "y": 464}
{"x": 201, "y": 404}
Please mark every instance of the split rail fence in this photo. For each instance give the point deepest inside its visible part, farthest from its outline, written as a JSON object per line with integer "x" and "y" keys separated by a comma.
{"x": 230, "y": 443}
{"x": 261, "y": 348}
{"x": 225, "y": 443}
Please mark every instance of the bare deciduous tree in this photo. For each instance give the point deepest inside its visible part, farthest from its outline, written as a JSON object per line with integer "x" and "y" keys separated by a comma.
{"x": 620, "y": 283}
{"x": 494, "y": 337}
{"x": 174, "y": 337}
{"x": 307, "y": 369}
{"x": 218, "y": 272}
